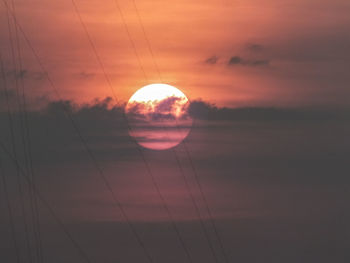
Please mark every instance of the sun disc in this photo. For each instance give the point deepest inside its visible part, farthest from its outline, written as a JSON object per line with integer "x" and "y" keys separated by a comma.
{"x": 158, "y": 116}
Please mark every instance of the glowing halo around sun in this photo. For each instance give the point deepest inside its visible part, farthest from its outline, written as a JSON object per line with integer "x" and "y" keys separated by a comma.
{"x": 158, "y": 116}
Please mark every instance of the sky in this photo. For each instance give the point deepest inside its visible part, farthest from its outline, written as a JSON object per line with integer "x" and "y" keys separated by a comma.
{"x": 262, "y": 175}
{"x": 287, "y": 53}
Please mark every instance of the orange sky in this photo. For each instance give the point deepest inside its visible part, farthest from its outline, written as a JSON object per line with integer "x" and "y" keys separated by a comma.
{"x": 283, "y": 53}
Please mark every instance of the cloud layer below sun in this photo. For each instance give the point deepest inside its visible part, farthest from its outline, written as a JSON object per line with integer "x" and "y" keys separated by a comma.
{"x": 268, "y": 174}
{"x": 250, "y": 145}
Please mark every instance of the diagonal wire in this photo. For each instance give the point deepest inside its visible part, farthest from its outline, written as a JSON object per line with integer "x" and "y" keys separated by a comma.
{"x": 216, "y": 232}
{"x": 33, "y": 203}
{"x": 207, "y": 236}
{"x": 84, "y": 142}
{"x": 197, "y": 210}
{"x": 16, "y": 246}
{"x": 131, "y": 40}
{"x": 9, "y": 209}
{"x": 147, "y": 40}
{"x": 211, "y": 217}
{"x": 154, "y": 182}
{"x": 46, "y": 204}
{"x": 46, "y": 71}
{"x": 20, "y": 187}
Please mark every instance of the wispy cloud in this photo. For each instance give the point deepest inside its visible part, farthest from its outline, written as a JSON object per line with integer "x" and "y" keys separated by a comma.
{"x": 212, "y": 60}
{"x": 237, "y": 60}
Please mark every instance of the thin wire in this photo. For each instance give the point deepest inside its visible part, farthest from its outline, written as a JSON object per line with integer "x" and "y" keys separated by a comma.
{"x": 16, "y": 247}
{"x": 160, "y": 77}
{"x": 147, "y": 40}
{"x": 165, "y": 206}
{"x": 9, "y": 209}
{"x": 188, "y": 154}
{"x": 211, "y": 218}
{"x": 176, "y": 156}
{"x": 33, "y": 199}
{"x": 130, "y": 39}
{"x": 90, "y": 153}
{"x": 21, "y": 194}
{"x": 197, "y": 210}
{"x": 41, "y": 65}
{"x": 46, "y": 204}
{"x": 92, "y": 44}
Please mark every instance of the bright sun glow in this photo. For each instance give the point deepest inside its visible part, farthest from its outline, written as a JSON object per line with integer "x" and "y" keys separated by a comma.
{"x": 158, "y": 116}
{"x": 155, "y": 92}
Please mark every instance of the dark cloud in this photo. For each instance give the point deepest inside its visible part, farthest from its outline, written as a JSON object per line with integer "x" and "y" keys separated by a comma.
{"x": 269, "y": 174}
{"x": 25, "y": 74}
{"x": 17, "y": 74}
{"x": 52, "y": 130}
{"x": 212, "y": 60}
{"x": 10, "y": 93}
{"x": 206, "y": 111}
{"x": 166, "y": 105}
{"x": 237, "y": 60}
{"x": 8, "y": 99}
{"x": 163, "y": 110}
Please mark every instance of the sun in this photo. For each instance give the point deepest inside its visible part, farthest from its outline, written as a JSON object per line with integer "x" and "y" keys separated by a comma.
{"x": 156, "y": 92}
{"x": 158, "y": 116}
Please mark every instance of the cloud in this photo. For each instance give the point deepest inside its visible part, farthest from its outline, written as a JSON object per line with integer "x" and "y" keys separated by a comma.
{"x": 102, "y": 125}
{"x": 251, "y": 162}
{"x": 8, "y": 98}
{"x": 207, "y": 111}
{"x": 167, "y": 105}
{"x": 10, "y": 93}
{"x": 240, "y": 61}
{"x": 211, "y": 60}
{"x": 170, "y": 108}
{"x": 15, "y": 74}
{"x": 104, "y": 128}
{"x": 25, "y": 74}
{"x": 237, "y": 60}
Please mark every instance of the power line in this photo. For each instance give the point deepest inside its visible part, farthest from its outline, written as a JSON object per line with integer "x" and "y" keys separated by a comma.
{"x": 20, "y": 188}
{"x": 46, "y": 204}
{"x": 165, "y": 206}
{"x": 197, "y": 210}
{"x": 130, "y": 39}
{"x": 187, "y": 152}
{"x": 90, "y": 153}
{"x": 13, "y": 231}
{"x": 46, "y": 71}
{"x": 33, "y": 199}
{"x": 147, "y": 40}
{"x": 211, "y": 218}
{"x": 206, "y": 234}
{"x": 9, "y": 209}
{"x": 176, "y": 156}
